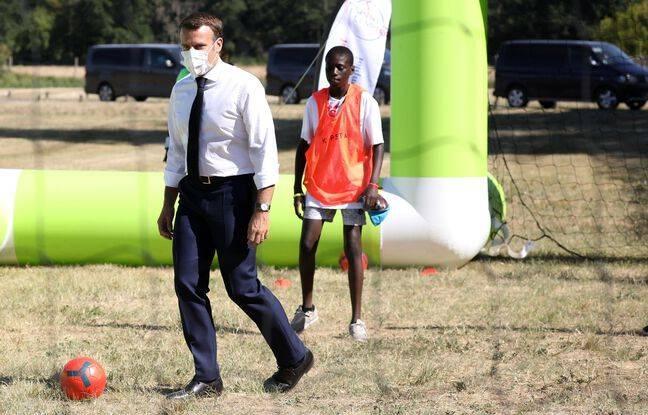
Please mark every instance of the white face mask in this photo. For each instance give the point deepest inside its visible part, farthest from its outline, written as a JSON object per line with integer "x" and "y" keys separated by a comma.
{"x": 197, "y": 61}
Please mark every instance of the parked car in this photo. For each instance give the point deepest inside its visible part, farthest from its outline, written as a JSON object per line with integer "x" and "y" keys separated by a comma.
{"x": 569, "y": 70}
{"x": 288, "y": 62}
{"x": 141, "y": 71}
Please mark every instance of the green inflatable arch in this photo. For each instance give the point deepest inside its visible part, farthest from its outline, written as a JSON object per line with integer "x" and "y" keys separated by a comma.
{"x": 438, "y": 187}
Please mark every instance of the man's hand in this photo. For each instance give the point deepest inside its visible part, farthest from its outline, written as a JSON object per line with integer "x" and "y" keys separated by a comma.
{"x": 165, "y": 222}
{"x": 258, "y": 227}
{"x": 299, "y": 203}
{"x": 370, "y": 196}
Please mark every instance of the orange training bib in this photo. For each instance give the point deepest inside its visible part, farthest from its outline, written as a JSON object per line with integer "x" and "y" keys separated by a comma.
{"x": 338, "y": 162}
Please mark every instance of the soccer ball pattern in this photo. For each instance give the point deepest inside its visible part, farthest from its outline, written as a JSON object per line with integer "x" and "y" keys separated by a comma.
{"x": 83, "y": 378}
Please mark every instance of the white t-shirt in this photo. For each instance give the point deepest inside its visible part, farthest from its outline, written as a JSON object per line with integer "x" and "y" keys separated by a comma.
{"x": 370, "y": 125}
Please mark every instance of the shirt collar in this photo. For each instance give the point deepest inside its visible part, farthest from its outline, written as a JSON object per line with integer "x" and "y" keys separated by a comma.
{"x": 215, "y": 72}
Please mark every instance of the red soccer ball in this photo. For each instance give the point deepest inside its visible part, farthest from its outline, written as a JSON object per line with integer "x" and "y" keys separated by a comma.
{"x": 83, "y": 378}
{"x": 344, "y": 262}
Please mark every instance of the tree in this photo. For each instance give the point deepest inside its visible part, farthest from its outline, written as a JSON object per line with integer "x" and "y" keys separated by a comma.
{"x": 132, "y": 21}
{"x": 539, "y": 19}
{"x": 628, "y": 29}
{"x": 10, "y": 17}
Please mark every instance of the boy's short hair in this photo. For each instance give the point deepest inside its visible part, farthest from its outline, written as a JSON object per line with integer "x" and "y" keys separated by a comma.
{"x": 340, "y": 51}
{"x": 199, "y": 19}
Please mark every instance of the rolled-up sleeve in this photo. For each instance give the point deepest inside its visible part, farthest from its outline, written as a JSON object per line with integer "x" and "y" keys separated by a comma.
{"x": 175, "y": 167}
{"x": 372, "y": 122}
{"x": 261, "y": 135}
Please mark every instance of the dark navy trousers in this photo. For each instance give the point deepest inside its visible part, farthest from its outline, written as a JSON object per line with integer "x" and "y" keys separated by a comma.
{"x": 214, "y": 219}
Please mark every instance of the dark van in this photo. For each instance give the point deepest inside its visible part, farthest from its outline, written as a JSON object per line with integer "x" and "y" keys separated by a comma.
{"x": 288, "y": 62}
{"x": 569, "y": 70}
{"x": 141, "y": 71}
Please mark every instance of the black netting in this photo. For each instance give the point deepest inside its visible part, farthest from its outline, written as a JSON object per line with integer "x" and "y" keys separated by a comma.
{"x": 575, "y": 177}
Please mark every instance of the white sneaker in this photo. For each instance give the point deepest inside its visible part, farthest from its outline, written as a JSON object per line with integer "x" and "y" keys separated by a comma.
{"x": 303, "y": 319}
{"x": 358, "y": 331}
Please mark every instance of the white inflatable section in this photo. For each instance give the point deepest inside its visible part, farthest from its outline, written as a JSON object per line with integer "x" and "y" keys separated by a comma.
{"x": 434, "y": 221}
{"x": 8, "y": 186}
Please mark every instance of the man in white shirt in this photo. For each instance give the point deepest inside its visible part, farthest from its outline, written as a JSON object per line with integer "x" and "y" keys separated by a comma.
{"x": 222, "y": 162}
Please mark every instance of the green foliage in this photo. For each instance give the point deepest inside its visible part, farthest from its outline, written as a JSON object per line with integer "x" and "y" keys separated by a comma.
{"x": 628, "y": 29}
{"x": 5, "y": 53}
{"x": 540, "y": 19}
{"x": 251, "y": 27}
{"x": 10, "y": 27}
{"x": 57, "y": 31}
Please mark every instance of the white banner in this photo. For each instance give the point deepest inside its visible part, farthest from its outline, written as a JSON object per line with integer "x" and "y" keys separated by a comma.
{"x": 360, "y": 25}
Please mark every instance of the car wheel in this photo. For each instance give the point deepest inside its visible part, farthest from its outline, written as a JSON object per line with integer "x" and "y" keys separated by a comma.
{"x": 106, "y": 92}
{"x": 548, "y": 104}
{"x": 517, "y": 97}
{"x": 289, "y": 95}
{"x": 635, "y": 105}
{"x": 606, "y": 99}
{"x": 140, "y": 99}
{"x": 380, "y": 95}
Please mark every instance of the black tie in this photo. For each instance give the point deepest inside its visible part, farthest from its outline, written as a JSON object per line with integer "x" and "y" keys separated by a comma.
{"x": 194, "y": 129}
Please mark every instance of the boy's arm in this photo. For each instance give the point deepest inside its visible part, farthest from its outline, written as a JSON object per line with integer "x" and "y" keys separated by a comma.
{"x": 307, "y": 132}
{"x": 371, "y": 192}
{"x": 300, "y": 165}
{"x": 373, "y": 131}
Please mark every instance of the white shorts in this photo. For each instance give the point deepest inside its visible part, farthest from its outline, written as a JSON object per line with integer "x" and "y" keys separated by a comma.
{"x": 351, "y": 217}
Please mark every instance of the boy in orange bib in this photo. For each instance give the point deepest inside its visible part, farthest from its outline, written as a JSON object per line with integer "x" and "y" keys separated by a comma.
{"x": 339, "y": 158}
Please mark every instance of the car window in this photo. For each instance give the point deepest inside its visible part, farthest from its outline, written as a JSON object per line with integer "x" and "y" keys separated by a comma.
{"x": 118, "y": 56}
{"x": 301, "y": 57}
{"x": 159, "y": 59}
{"x": 608, "y": 53}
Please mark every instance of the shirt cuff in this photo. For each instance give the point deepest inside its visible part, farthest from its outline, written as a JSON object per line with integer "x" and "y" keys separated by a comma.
{"x": 172, "y": 179}
{"x": 263, "y": 180}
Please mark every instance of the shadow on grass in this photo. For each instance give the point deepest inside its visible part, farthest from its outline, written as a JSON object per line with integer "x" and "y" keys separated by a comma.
{"x": 521, "y": 132}
{"x": 107, "y": 136}
{"x": 568, "y": 131}
{"x": 162, "y": 389}
{"x": 288, "y": 133}
{"x": 525, "y": 329}
{"x": 607, "y": 277}
{"x": 568, "y": 260}
{"x": 155, "y": 327}
{"x": 52, "y": 382}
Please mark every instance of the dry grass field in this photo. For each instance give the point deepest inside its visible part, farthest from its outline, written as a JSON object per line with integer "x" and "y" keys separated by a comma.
{"x": 59, "y": 71}
{"x": 551, "y": 334}
{"x": 62, "y": 128}
{"x": 494, "y": 337}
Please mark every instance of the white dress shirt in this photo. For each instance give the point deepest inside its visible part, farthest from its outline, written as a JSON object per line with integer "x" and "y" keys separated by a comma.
{"x": 237, "y": 133}
{"x": 370, "y": 125}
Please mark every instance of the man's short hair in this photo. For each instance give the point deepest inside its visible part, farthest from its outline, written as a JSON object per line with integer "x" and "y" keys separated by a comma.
{"x": 340, "y": 51}
{"x": 199, "y": 19}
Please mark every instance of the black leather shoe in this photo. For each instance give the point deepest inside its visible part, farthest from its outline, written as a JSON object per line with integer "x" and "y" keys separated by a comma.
{"x": 286, "y": 378}
{"x": 197, "y": 389}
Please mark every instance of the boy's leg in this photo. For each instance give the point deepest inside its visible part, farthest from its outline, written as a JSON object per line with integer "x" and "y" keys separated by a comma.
{"x": 310, "y": 236}
{"x": 312, "y": 224}
{"x": 353, "y": 252}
